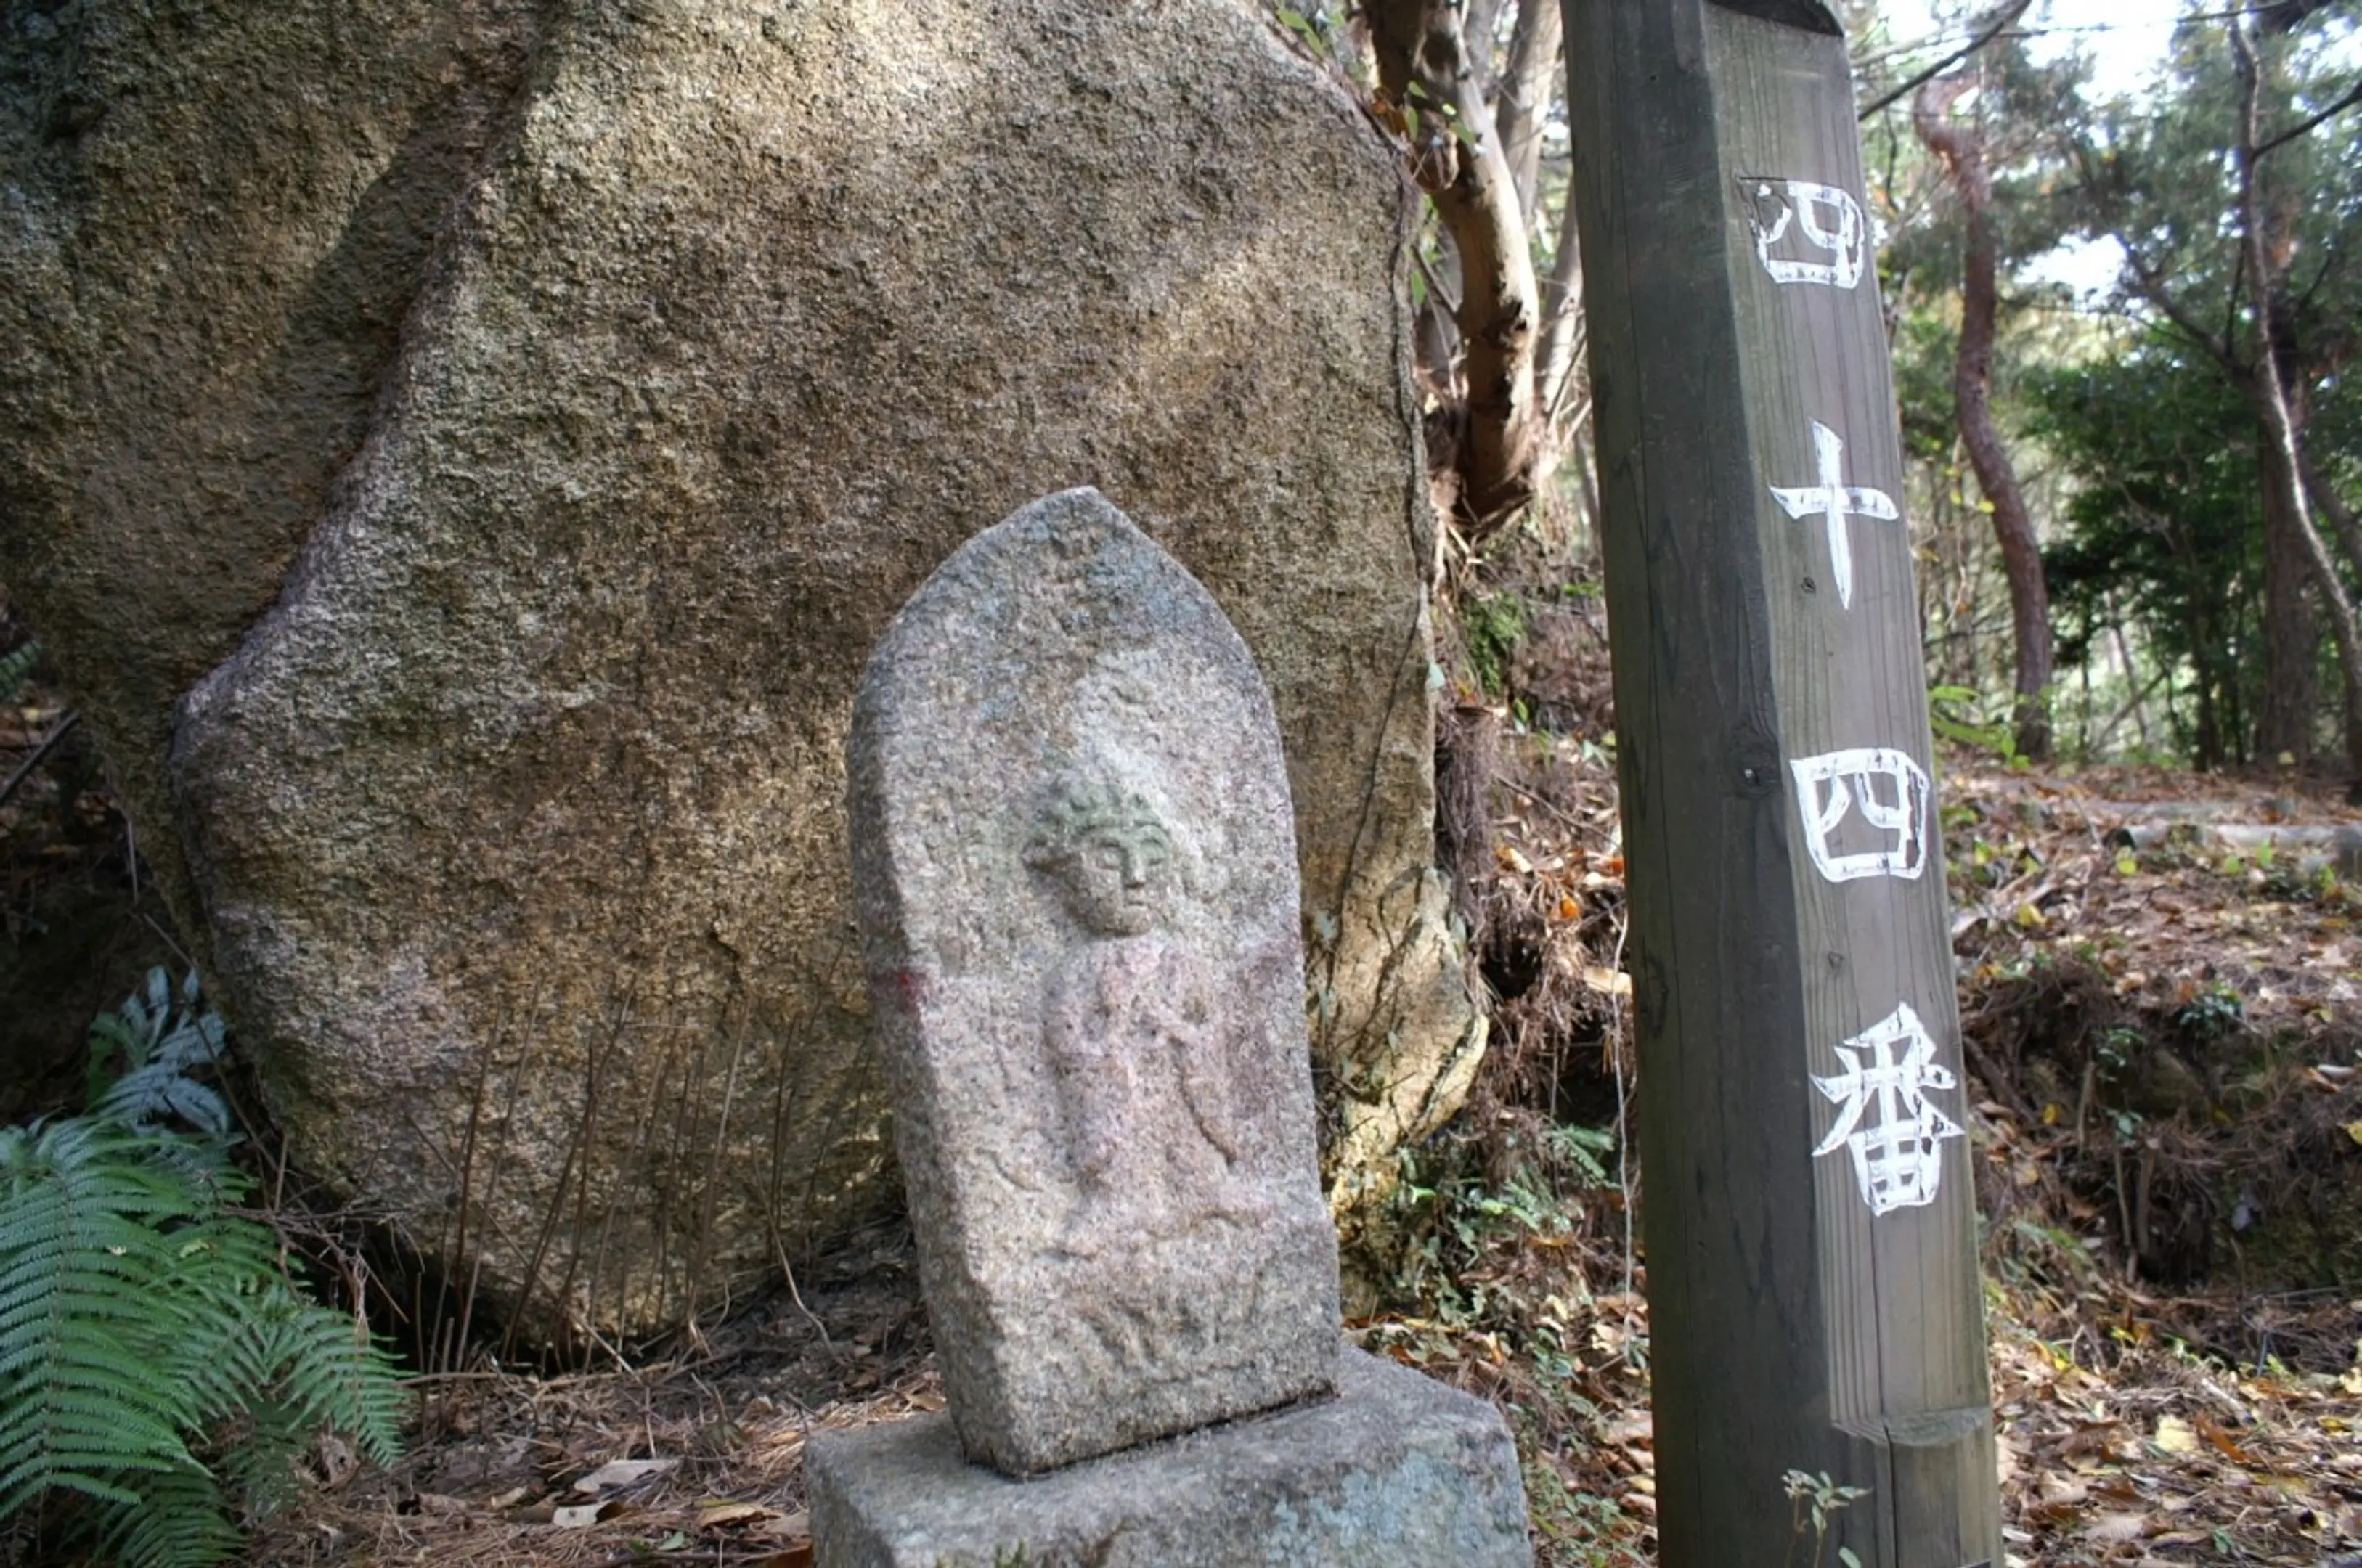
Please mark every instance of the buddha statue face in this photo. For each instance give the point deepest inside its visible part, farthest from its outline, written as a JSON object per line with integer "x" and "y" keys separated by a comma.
{"x": 1109, "y": 853}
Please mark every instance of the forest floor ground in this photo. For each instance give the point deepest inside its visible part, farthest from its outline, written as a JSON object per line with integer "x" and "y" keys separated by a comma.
{"x": 2164, "y": 1040}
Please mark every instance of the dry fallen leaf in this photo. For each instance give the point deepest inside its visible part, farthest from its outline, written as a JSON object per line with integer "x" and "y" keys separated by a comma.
{"x": 2063, "y": 1490}
{"x": 2221, "y": 1438}
{"x": 2117, "y": 1527}
{"x": 720, "y": 1515}
{"x": 1637, "y": 1431}
{"x": 2175, "y": 1435}
{"x": 334, "y": 1460}
{"x": 618, "y": 1473}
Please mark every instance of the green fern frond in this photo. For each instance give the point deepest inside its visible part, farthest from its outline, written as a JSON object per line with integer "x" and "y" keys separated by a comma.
{"x": 82, "y": 1251}
{"x": 181, "y": 1520}
{"x": 157, "y": 1047}
{"x": 334, "y": 1376}
{"x": 142, "y": 1323}
{"x": 261, "y": 1470}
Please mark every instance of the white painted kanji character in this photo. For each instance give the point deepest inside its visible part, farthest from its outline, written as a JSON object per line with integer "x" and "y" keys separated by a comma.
{"x": 1834, "y": 500}
{"x": 1831, "y": 786}
{"x": 1884, "y": 1117}
{"x": 1801, "y": 202}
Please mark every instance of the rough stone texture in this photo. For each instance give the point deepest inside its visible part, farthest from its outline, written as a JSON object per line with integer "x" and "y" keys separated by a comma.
{"x": 1075, "y": 873}
{"x": 213, "y": 216}
{"x": 1398, "y": 1472}
{"x": 587, "y": 382}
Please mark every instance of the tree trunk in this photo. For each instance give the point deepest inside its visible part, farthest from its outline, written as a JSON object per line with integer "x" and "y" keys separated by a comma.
{"x": 2206, "y": 741}
{"x": 2283, "y": 460}
{"x": 1524, "y": 98}
{"x": 1425, "y": 70}
{"x": 1559, "y": 378}
{"x": 1480, "y": 24}
{"x": 1562, "y": 340}
{"x": 2291, "y": 684}
{"x": 1962, "y": 149}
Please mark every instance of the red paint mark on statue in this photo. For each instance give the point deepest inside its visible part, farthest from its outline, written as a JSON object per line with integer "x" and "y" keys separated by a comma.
{"x": 909, "y": 988}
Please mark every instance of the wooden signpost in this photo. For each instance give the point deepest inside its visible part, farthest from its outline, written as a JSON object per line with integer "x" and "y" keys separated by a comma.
{"x": 1812, "y": 1287}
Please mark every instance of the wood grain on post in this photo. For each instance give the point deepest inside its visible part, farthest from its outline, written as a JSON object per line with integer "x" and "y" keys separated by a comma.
{"x": 1812, "y": 1282}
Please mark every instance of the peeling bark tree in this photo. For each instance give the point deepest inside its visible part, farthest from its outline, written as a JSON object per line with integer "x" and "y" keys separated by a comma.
{"x": 1426, "y": 72}
{"x": 1961, "y": 149}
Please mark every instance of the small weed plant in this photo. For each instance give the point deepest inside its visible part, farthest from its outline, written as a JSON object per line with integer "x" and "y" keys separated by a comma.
{"x": 1817, "y": 1499}
{"x": 1487, "y": 1267}
{"x": 1492, "y": 625}
{"x": 157, "y": 1358}
{"x": 1963, "y": 716}
{"x": 2212, "y": 1014}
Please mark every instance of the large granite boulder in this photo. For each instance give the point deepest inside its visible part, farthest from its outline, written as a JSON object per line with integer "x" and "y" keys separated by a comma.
{"x": 579, "y": 387}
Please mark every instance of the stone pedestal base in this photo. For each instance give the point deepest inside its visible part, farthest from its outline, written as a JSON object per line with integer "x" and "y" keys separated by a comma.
{"x": 1397, "y": 1472}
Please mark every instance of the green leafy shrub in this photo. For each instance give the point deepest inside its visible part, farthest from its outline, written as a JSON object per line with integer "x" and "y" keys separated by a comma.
{"x": 2213, "y": 1014}
{"x": 155, "y": 1356}
{"x": 1959, "y": 715}
{"x": 15, "y": 668}
{"x": 1493, "y": 625}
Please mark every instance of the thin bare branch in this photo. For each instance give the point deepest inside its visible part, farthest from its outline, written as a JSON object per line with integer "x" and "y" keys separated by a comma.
{"x": 2313, "y": 122}
{"x": 49, "y": 743}
{"x": 2332, "y": 506}
{"x": 1941, "y": 66}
